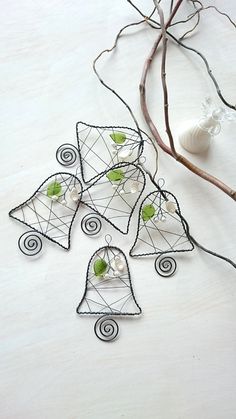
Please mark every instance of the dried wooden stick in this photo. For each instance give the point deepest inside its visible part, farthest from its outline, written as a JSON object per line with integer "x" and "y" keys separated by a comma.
{"x": 163, "y": 77}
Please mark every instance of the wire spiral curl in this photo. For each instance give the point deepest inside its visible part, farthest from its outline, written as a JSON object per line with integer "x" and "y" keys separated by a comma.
{"x": 67, "y": 154}
{"x": 91, "y": 224}
{"x": 165, "y": 266}
{"x": 106, "y": 329}
{"x": 30, "y": 243}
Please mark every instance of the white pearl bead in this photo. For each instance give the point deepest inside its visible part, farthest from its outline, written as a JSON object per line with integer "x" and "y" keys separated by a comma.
{"x": 54, "y": 197}
{"x": 114, "y": 186}
{"x": 64, "y": 202}
{"x": 116, "y": 273}
{"x": 163, "y": 218}
{"x": 134, "y": 187}
{"x": 156, "y": 220}
{"x": 170, "y": 207}
{"x": 122, "y": 191}
{"x": 120, "y": 267}
{"x": 106, "y": 276}
{"x": 74, "y": 196}
{"x": 124, "y": 153}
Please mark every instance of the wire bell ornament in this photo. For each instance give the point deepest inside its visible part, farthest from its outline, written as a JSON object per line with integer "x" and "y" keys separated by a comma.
{"x": 161, "y": 230}
{"x": 114, "y": 195}
{"x": 50, "y": 212}
{"x": 101, "y": 148}
{"x": 108, "y": 291}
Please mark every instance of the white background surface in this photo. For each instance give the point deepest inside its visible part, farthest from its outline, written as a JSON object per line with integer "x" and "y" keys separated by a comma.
{"x": 177, "y": 361}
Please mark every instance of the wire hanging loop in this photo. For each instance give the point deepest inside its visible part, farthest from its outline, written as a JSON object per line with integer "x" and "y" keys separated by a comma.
{"x": 108, "y": 239}
{"x": 161, "y": 182}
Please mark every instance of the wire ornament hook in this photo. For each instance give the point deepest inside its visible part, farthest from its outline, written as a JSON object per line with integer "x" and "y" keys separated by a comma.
{"x": 161, "y": 182}
{"x": 108, "y": 239}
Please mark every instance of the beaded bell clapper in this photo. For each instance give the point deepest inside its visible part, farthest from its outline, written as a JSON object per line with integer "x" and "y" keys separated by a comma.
{"x": 108, "y": 291}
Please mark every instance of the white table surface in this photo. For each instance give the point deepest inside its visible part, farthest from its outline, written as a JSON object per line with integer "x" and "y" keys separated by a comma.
{"x": 178, "y": 360}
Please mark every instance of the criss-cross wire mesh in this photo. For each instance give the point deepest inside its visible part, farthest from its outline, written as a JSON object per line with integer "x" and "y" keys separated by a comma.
{"x": 111, "y": 293}
{"x": 53, "y": 219}
{"x": 164, "y": 232}
{"x": 115, "y": 201}
{"x": 98, "y": 152}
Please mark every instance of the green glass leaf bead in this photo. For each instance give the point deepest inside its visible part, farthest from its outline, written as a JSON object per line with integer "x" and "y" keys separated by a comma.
{"x": 148, "y": 211}
{"x": 54, "y": 189}
{"x": 115, "y": 175}
{"x": 100, "y": 267}
{"x": 118, "y": 137}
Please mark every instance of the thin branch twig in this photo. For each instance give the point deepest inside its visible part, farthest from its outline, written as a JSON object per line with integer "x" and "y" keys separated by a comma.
{"x": 191, "y": 16}
{"x": 197, "y": 12}
{"x": 140, "y": 131}
{"x": 194, "y": 26}
{"x": 105, "y": 84}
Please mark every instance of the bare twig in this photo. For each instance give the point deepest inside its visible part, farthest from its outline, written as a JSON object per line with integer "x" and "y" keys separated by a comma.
{"x": 154, "y": 131}
{"x": 156, "y": 25}
{"x": 197, "y": 12}
{"x": 194, "y": 26}
{"x": 178, "y": 157}
{"x": 105, "y": 84}
{"x": 209, "y": 71}
{"x": 189, "y": 17}
{"x": 163, "y": 78}
{"x": 221, "y": 13}
{"x": 140, "y": 131}
{"x": 192, "y": 15}
{"x": 108, "y": 50}
{"x": 215, "y": 8}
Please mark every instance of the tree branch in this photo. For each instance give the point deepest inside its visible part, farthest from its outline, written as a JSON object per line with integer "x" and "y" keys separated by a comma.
{"x": 171, "y": 150}
{"x": 163, "y": 78}
{"x": 156, "y": 25}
